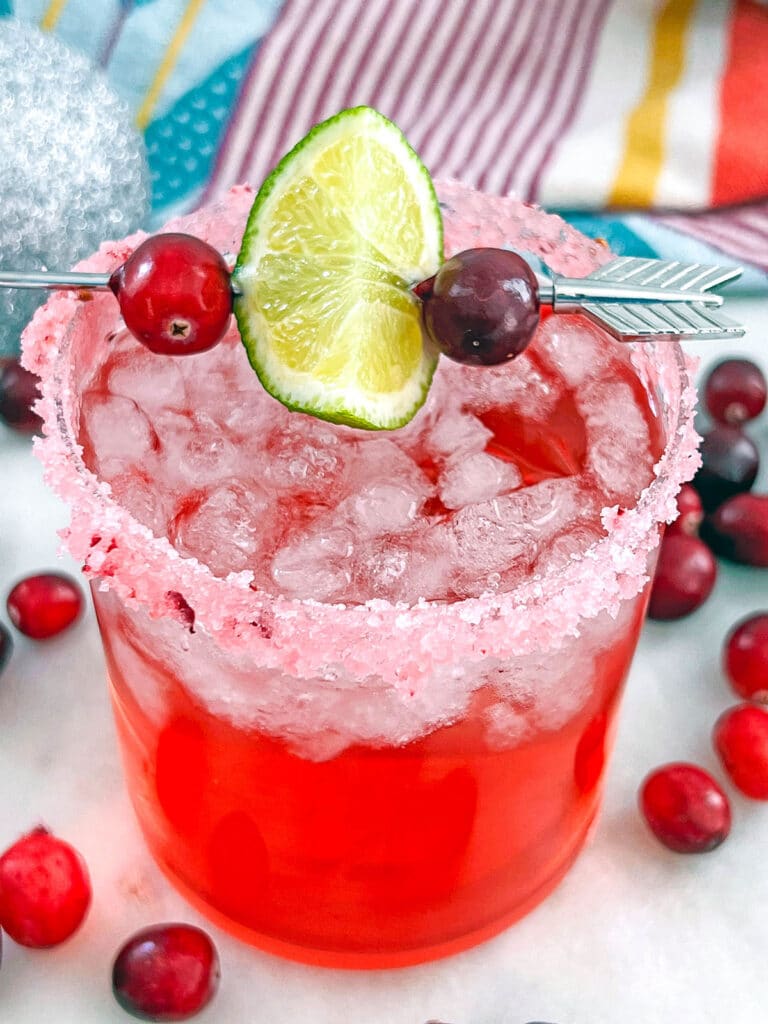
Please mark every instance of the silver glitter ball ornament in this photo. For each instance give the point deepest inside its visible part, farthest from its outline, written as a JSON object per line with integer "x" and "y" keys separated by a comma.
{"x": 72, "y": 166}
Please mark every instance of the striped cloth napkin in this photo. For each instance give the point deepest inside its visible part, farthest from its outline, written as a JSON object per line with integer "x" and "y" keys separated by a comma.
{"x": 640, "y": 121}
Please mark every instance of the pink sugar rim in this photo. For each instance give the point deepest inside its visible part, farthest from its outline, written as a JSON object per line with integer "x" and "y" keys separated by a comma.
{"x": 307, "y": 638}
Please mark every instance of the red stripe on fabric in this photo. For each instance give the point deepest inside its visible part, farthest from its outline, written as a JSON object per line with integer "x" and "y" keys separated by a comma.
{"x": 743, "y": 235}
{"x": 327, "y": 55}
{"x": 384, "y": 53}
{"x": 741, "y": 157}
{"x": 463, "y": 151}
{"x": 569, "y": 116}
{"x": 508, "y": 137}
{"x": 238, "y": 124}
{"x": 438, "y": 30}
{"x": 366, "y": 57}
{"x": 460, "y": 51}
{"x": 541, "y": 130}
{"x": 269, "y": 126}
{"x": 470, "y": 80}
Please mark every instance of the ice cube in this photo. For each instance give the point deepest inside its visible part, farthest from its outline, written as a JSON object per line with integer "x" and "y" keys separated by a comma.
{"x": 116, "y": 433}
{"x": 567, "y": 546}
{"x": 508, "y": 532}
{"x": 306, "y": 457}
{"x": 224, "y": 527}
{"x": 469, "y": 479}
{"x": 457, "y": 432}
{"x": 153, "y": 381}
{"x": 195, "y": 450}
{"x": 418, "y": 567}
{"x": 575, "y": 349}
{"x": 134, "y": 491}
{"x": 381, "y": 507}
{"x": 315, "y": 565}
{"x": 618, "y": 441}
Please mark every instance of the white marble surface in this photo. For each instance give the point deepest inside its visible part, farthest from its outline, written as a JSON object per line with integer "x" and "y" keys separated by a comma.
{"x": 634, "y": 935}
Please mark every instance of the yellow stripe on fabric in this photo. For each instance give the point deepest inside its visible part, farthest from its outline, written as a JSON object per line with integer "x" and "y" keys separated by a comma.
{"x": 638, "y": 174}
{"x": 52, "y": 15}
{"x": 168, "y": 62}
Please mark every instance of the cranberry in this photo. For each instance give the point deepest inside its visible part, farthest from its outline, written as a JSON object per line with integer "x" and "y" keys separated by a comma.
{"x": 18, "y": 392}
{"x": 741, "y": 740}
{"x": 167, "y": 972}
{"x": 685, "y": 576}
{"x": 738, "y": 530}
{"x": 735, "y": 391}
{"x": 745, "y": 657}
{"x": 44, "y": 890}
{"x": 730, "y": 462}
{"x": 6, "y": 646}
{"x": 175, "y": 295}
{"x": 481, "y": 307}
{"x": 44, "y": 605}
{"x": 689, "y": 512}
{"x": 685, "y": 808}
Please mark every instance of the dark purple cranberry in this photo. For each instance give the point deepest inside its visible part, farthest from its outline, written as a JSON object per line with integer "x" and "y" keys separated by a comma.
{"x": 18, "y": 392}
{"x": 481, "y": 307}
{"x": 168, "y": 972}
{"x": 730, "y": 462}
{"x": 735, "y": 391}
{"x": 6, "y": 646}
{"x": 685, "y": 808}
{"x": 738, "y": 530}
{"x": 685, "y": 576}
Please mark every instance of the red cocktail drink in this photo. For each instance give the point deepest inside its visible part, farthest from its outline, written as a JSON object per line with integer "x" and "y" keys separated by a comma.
{"x": 365, "y": 683}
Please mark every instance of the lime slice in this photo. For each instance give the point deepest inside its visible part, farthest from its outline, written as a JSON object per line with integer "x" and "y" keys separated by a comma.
{"x": 343, "y": 227}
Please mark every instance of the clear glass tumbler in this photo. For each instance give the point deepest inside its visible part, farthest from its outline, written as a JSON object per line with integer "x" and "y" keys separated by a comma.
{"x": 360, "y": 786}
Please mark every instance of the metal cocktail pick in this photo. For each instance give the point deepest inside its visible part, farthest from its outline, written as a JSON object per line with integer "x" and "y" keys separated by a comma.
{"x": 633, "y": 299}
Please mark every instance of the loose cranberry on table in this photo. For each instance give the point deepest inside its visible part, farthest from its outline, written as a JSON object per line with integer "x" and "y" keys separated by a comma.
{"x": 741, "y": 739}
{"x": 735, "y": 391}
{"x": 174, "y": 293}
{"x": 745, "y": 657}
{"x": 43, "y": 605}
{"x": 168, "y": 972}
{"x": 685, "y": 575}
{"x": 729, "y": 465}
{"x": 685, "y": 808}
{"x": 45, "y": 891}
{"x": 690, "y": 512}
{"x": 18, "y": 393}
{"x": 738, "y": 530}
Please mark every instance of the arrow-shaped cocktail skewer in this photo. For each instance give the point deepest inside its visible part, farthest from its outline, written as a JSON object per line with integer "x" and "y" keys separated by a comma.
{"x": 647, "y": 300}
{"x": 633, "y": 299}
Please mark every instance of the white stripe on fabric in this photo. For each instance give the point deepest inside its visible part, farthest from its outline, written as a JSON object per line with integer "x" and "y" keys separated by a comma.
{"x": 313, "y": 86}
{"x": 275, "y": 114}
{"x": 576, "y": 25}
{"x": 693, "y": 119}
{"x": 530, "y": 108}
{"x": 270, "y": 57}
{"x": 450, "y": 152}
{"x": 466, "y": 42}
{"x": 587, "y": 158}
{"x": 494, "y": 128}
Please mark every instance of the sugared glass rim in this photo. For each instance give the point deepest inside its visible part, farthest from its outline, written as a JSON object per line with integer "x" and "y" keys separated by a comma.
{"x": 307, "y": 638}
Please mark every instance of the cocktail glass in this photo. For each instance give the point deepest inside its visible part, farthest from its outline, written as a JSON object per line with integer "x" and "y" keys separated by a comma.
{"x": 369, "y": 784}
